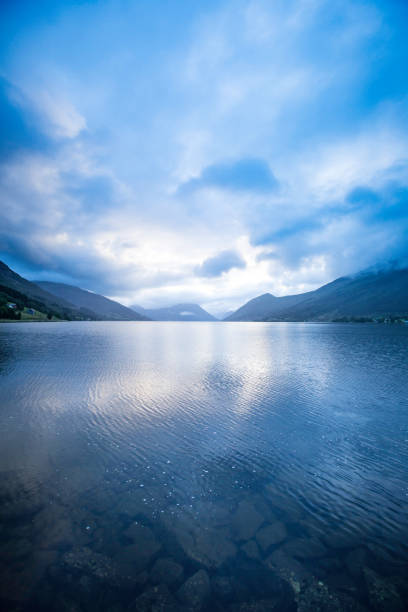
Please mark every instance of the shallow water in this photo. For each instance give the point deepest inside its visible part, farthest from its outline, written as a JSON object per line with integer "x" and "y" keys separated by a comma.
{"x": 213, "y": 466}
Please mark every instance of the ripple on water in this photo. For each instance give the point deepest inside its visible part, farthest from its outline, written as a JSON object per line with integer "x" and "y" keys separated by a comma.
{"x": 246, "y": 455}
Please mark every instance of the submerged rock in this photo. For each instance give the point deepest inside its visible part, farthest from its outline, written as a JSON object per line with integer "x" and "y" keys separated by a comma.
{"x": 156, "y": 599}
{"x": 251, "y": 550}
{"x": 141, "y": 552}
{"x": 305, "y": 548}
{"x": 264, "y": 507}
{"x": 91, "y": 564}
{"x": 213, "y": 514}
{"x": 271, "y": 535}
{"x": 246, "y": 521}
{"x": 382, "y": 594}
{"x": 211, "y": 548}
{"x": 195, "y": 591}
{"x": 166, "y": 571}
{"x": 131, "y": 561}
{"x": 315, "y": 596}
{"x": 138, "y": 503}
{"x": 261, "y": 605}
{"x": 223, "y": 587}
{"x": 208, "y": 546}
{"x": 288, "y": 568}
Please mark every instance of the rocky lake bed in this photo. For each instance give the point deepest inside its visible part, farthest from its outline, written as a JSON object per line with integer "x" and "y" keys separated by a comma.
{"x": 131, "y": 548}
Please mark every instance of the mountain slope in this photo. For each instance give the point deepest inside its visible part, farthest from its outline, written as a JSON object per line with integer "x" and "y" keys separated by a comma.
{"x": 365, "y": 295}
{"x": 103, "y": 307}
{"x": 26, "y": 293}
{"x": 178, "y": 312}
{"x": 261, "y": 306}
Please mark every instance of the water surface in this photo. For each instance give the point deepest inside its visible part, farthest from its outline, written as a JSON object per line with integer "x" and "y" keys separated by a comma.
{"x": 214, "y": 466}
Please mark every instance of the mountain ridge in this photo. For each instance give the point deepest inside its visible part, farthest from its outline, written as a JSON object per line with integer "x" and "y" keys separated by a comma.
{"x": 102, "y": 306}
{"x": 365, "y": 295}
{"x": 374, "y": 294}
{"x": 27, "y": 293}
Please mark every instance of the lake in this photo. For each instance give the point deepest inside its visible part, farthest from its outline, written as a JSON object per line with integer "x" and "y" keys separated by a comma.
{"x": 203, "y": 466}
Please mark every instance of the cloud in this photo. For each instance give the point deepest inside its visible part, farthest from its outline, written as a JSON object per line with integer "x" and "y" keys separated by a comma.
{"x": 219, "y": 264}
{"x": 124, "y": 167}
{"x": 61, "y": 117}
{"x": 367, "y": 226}
{"x": 247, "y": 174}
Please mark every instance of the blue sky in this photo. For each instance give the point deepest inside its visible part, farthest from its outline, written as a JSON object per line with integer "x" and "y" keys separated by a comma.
{"x": 160, "y": 152}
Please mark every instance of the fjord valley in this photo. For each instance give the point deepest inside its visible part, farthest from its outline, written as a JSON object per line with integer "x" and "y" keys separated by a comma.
{"x": 370, "y": 296}
{"x": 204, "y": 306}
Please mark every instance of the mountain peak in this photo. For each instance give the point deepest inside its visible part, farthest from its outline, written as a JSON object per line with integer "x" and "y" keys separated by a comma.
{"x": 370, "y": 294}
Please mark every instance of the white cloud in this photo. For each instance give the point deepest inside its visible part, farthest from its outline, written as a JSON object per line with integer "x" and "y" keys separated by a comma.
{"x": 279, "y": 82}
{"x": 63, "y": 118}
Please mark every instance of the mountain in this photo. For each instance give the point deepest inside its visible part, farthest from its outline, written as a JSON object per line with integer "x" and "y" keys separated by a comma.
{"x": 367, "y": 295}
{"x": 179, "y": 312}
{"x": 15, "y": 288}
{"x": 263, "y": 305}
{"x": 103, "y": 307}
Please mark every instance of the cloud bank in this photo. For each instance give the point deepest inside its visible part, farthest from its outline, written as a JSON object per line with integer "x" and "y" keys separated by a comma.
{"x": 203, "y": 153}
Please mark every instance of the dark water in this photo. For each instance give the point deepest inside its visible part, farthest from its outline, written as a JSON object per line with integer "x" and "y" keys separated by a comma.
{"x": 168, "y": 466}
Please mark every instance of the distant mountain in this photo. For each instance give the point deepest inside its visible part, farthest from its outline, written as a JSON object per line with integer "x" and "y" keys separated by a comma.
{"x": 179, "y": 312}
{"x": 15, "y": 288}
{"x": 263, "y": 305}
{"x": 367, "y": 295}
{"x": 103, "y": 307}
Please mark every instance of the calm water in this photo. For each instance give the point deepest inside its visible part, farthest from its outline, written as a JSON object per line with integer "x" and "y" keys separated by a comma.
{"x": 213, "y": 466}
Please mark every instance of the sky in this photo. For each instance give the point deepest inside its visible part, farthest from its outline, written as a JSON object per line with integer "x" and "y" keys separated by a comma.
{"x": 208, "y": 151}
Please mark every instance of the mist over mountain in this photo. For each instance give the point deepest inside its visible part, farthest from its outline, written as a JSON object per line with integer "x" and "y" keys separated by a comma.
{"x": 223, "y": 314}
{"x": 374, "y": 293}
{"x": 102, "y": 306}
{"x": 178, "y": 312}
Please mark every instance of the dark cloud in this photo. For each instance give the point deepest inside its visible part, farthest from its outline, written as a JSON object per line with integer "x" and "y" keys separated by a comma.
{"x": 79, "y": 265}
{"x": 220, "y": 263}
{"x": 369, "y": 225}
{"x": 247, "y": 174}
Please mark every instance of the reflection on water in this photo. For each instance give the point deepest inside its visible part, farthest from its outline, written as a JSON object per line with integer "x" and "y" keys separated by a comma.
{"x": 203, "y": 466}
